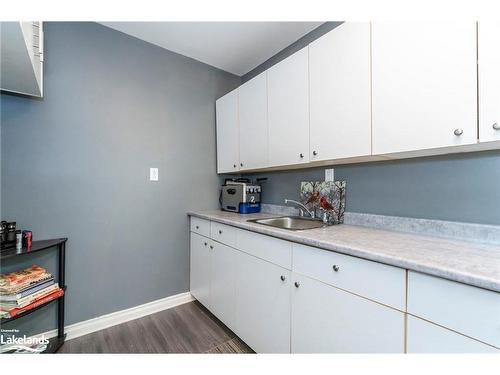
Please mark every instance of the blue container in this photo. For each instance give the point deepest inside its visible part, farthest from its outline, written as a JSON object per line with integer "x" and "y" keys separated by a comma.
{"x": 249, "y": 208}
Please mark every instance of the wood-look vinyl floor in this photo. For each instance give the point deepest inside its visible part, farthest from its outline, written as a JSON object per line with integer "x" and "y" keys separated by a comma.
{"x": 188, "y": 328}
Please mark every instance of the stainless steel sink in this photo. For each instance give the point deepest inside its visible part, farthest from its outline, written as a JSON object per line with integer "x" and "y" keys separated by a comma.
{"x": 290, "y": 222}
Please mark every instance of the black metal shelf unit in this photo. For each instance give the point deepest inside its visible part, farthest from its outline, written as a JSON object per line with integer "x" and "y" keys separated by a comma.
{"x": 59, "y": 243}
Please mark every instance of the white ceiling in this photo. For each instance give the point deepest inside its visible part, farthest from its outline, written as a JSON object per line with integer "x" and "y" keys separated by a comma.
{"x": 236, "y": 47}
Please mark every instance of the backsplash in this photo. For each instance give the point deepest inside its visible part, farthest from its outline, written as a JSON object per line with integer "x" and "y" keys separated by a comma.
{"x": 458, "y": 188}
{"x": 488, "y": 234}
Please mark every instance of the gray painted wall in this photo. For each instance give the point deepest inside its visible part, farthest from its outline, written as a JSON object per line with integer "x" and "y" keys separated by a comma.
{"x": 77, "y": 164}
{"x": 459, "y": 187}
{"x": 291, "y": 49}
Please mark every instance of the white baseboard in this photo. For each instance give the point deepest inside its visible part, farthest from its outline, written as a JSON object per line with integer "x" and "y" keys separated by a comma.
{"x": 101, "y": 322}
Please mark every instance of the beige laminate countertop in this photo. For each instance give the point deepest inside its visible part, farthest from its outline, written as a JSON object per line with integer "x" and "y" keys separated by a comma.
{"x": 466, "y": 262}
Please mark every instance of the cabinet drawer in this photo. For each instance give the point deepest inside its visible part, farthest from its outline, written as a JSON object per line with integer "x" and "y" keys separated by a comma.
{"x": 376, "y": 281}
{"x": 425, "y": 337}
{"x": 264, "y": 247}
{"x": 472, "y": 311}
{"x": 200, "y": 226}
{"x": 223, "y": 233}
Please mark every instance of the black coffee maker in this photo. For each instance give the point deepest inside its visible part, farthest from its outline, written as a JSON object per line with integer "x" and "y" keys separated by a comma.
{"x": 7, "y": 234}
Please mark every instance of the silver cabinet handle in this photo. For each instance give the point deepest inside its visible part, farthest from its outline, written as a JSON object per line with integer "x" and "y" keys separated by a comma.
{"x": 496, "y": 126}
{"x": 458, "y": 132}
{"x": 297, "y": 284}
{"x": 283, "y": 278}
{"x": 301, "y": 155}
{"x": 336, "y": 268}
{"x": 220, "y": 231}
{"x": 315, "y": 153}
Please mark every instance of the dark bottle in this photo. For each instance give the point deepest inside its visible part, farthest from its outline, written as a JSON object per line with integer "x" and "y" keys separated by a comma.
{"x": 11, "y": 231}
{"x": 3, "y": 231}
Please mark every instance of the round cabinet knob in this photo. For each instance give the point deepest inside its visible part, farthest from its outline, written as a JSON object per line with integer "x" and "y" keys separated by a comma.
{"x": 496, "y": 126}
{"x": 297, "y": 284}
{"x": 336, "y": 268}
{"x": 301, "y": 156}
{"x": 315, "y": 153}
{"x": 283, "y": 278}
{"x": 234, "y": 165}
{"x": 220, "y": 231}
{"x": 458, "y": 132}
{"x": 197, "y": 227}
{"x": 212, "y": 247}
{"x": 241, "y": 164}
{"x": 206, "y": 244}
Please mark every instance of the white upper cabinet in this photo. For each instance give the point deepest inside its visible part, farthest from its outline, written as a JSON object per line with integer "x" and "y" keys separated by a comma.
{"x": 489, "y": 81}
{"x": 424, "y": 85}
{"x": 253, "y": 123}
{"x": 227, "y": 133}
{"x": 363, "y": 91}
{"x": 288, "y": 110}
{"x": 339, "y": 68}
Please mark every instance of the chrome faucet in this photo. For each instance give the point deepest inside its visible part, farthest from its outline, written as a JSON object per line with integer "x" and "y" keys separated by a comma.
{"x": 301, "y": 206}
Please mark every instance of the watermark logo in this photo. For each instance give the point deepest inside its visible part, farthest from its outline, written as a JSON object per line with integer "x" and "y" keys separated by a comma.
{"x": 11, "y": 341}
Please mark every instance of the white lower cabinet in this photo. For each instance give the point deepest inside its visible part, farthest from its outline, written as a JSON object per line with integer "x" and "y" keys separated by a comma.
{"x": 328, "y": 320}
{"x": 222, "y": 282}
{"x": 425, "y": 337}
{"x": 318, "y": 301}
{"x": 213, "y": 267}
{"x": 262, "y": 305}
{"x": 200, "y": 268}
{"x": 472, "y": 311}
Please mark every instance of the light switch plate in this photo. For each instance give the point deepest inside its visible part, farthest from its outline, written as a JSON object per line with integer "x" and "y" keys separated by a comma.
{"x": 329, "y": 175}
{"x": 153, "y": 174}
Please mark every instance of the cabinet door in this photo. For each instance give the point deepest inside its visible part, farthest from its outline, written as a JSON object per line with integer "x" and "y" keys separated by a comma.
{"x": 222, "y": 282}
{"x": 253, "y": 123}
{"x": 340, "y": 93}
{"x": 288, "y": 108}
{"x": 489, "y": 81}
{"x": 227, "y": 133}
{"x": 424, "y": 85}
{"x": 328, "y": 320}
{"x": 472, "y": 311}
{"x": 425, "y": 337}
{"x": 200, "y": 269}
{"x": 262, "y": 305}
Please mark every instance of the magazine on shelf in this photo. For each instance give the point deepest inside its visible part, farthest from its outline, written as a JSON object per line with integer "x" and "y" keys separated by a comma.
{"x": 27, "y": 291}
{"x": 18, "y": 288}
{"x": 50, "y": 297}
{"x": 22, "y": 302}
{"x": 21, "y": 277}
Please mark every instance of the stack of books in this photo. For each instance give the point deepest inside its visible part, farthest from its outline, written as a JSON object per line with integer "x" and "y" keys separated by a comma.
{"x": 24, "y": 290}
